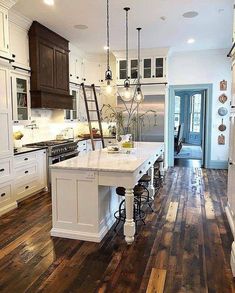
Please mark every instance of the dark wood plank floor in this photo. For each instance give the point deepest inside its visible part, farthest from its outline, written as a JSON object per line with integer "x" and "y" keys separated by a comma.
{"x": 185, "y": 245}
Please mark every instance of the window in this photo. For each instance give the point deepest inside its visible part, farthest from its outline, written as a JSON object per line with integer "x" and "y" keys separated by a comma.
{"x": 177, "y": 112}
{"x": 195, "y": 117}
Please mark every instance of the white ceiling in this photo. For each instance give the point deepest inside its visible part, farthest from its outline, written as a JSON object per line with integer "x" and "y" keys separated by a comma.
{"x": 211, "y": 29}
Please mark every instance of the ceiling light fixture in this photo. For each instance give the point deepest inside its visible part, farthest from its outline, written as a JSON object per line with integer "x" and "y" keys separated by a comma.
{"x": 81, "y": 26}
{"x": 191, "y": 41}
{"x": 190, "y": 14}
{"x": 49, "y": 2}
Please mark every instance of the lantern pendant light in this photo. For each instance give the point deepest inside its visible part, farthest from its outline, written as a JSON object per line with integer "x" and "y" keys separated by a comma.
{"x": 108, "y": 73}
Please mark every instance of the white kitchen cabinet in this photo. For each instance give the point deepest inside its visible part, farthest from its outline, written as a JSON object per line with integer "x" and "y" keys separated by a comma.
{"x": 30, "y": 173}
{"x": 7, "y": 200}
{"x": 20, "y": 84}
{"x": 72, "y": 115}
{"x": 4, "y": 32}
{"x": 232, "y": 139}
{"x": 19, "y": 45}
{"x": 4, "y": 89}
{"x": 6, "y": 170}
{"x": 6, "y": 145}
{"x": 82, "y": 147}
{"x": 75, "y": 66}
{"x": 152, "y": 69}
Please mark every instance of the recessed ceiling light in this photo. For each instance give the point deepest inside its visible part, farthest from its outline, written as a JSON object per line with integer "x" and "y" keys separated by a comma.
{"x": 81, "y": 26}
{"x": 191, "y": 41}
{"x": 49, "y": 2}
{"x": 190, "y": 14}
{"x": 106, "y": 48}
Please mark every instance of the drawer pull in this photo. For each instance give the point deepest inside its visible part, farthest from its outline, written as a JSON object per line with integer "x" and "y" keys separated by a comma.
{"x": 140, "y": 172}
{"x": 2, "y": 170}
{"x": 27, "y": 187}
{"x": 3, "y": 194}
{"x": 26, "y": 159}
{"x": 149, "y": 163}
{"x": 26, "y": 172}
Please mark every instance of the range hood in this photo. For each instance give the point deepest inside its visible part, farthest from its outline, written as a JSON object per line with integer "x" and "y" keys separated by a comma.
{"x": 49, "y": 61}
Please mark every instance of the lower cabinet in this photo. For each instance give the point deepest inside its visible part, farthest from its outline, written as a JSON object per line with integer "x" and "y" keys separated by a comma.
{"x": 7, "y": 201}
{"x": 30, "y": 172}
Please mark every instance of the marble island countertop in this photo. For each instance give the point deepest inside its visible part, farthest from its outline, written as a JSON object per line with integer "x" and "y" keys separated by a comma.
{"x": 101, "y": 160}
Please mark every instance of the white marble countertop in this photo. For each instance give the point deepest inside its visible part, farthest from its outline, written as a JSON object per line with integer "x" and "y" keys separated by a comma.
{"x": 101, "y": 160}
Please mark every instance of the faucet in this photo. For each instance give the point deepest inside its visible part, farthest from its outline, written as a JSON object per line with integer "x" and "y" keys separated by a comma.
{"x": 32, "y": 125}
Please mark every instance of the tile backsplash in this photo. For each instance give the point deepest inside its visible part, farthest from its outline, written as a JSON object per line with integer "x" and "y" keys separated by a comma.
{"x": 50, "y": 123}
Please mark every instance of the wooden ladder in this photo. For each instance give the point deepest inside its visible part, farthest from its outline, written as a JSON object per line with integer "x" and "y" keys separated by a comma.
{"x": 96, "y": 110}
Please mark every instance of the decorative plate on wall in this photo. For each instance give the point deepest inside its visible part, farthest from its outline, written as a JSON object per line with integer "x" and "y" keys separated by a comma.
{"x": 222, "y": 111}
{"x": 223, "y": 98}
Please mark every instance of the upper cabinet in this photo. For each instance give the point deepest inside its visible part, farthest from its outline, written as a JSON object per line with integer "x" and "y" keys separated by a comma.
{"x": 19, "y": 46}
{"x": 49, "y": 61}
{"x": 4, "y": 33}
{"x": 20, "y": 97}
{"x": 152, "y": 69}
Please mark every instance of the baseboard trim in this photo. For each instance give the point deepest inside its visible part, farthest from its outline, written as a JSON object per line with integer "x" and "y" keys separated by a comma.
{"x": 8, "y": 208}
{"x": 217, "y": 165}
{"x": 84, "y": 236}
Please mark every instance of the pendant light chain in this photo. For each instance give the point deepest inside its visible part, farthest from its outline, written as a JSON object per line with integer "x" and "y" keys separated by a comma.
{"x": 108, "y": 43}
{"x": 138, "y": 29}
{"x": 127, "y": 47}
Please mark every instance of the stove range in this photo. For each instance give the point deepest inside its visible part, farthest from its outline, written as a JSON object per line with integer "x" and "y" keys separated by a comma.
{"x": 56, "y": 147}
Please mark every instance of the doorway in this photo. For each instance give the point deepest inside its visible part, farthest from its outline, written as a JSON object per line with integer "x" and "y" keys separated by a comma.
{"x": 189, "y": 127}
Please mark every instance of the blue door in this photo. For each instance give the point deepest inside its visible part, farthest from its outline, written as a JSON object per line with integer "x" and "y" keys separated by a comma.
{"x": 195, "y": 120}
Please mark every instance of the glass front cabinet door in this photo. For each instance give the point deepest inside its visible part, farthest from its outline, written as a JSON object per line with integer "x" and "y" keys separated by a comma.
{"x": 154, "y": 69}
{"x": 20, "y": 98}
{"x": 72, "y": 115}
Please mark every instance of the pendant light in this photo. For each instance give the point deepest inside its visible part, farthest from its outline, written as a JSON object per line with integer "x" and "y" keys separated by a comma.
{"x": 127, "y": 95}
{"x": 108, "y": 73}
{"x": 139, "y": 95}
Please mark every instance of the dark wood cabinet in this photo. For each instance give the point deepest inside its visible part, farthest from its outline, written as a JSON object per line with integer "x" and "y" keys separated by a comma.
{"x": 49, "y": 61}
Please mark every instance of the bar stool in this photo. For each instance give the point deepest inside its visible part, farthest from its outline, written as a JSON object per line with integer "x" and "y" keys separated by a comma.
{"x": 158, "y": 177}
{"x": 138, "y": 213}
{"x": 144, "y": 182}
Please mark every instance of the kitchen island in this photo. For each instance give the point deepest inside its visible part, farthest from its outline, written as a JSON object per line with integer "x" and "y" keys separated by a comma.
{"x": 83, "y": 191}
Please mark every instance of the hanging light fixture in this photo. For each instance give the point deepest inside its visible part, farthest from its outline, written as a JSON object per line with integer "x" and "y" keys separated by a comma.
{"x": 139, "y": 95}
{"x": 127, "y": 95}
{"x": 108, "y": 73}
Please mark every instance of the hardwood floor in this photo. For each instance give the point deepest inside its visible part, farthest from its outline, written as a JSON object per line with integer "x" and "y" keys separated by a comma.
{"x": 184, "y": 246}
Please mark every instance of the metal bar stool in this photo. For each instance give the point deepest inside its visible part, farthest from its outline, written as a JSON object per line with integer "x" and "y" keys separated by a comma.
{"x": 138, "y": 213}
{"x": 144, "y": 181}
{"x": 158, "y": 177}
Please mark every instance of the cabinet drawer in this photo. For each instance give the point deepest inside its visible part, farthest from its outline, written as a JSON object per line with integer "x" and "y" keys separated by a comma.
{"x": 5, "y": 169}
{"x": 28, "y": 188}
{"x": 5, "y": 193}
{"x": 21, "y": 160}
{"x": 26, "y": 172}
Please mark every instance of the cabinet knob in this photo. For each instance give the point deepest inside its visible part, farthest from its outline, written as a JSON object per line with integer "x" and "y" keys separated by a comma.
{"x": 27, "y": 187}
{"x": 149, "y": 163}
{"x": 77, "y": 77}
{"x": 2, "y": 170}
{"x": 26, "y": 172}
{"x": 140, "y": 172}
{"x": 13, "y": 55}
{"x": 153, "y": 75}
{"x": 3, "y": 194}
{"x": 26, "y": 159}
{"x": 84, "y": 79}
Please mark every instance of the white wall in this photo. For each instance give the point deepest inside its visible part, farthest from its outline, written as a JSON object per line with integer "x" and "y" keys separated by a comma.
{"x": 204, "y": 67}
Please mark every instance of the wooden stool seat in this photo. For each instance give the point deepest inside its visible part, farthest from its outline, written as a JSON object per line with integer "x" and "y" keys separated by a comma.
{"x": 138, "y": 190}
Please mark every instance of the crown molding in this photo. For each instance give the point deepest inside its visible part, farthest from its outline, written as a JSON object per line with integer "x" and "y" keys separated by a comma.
{"x": 7, "y": 3}
{"x": 19, "y": 19}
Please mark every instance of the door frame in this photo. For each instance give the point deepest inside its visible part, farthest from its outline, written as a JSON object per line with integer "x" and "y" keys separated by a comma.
{"x": 206, "y": 138}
